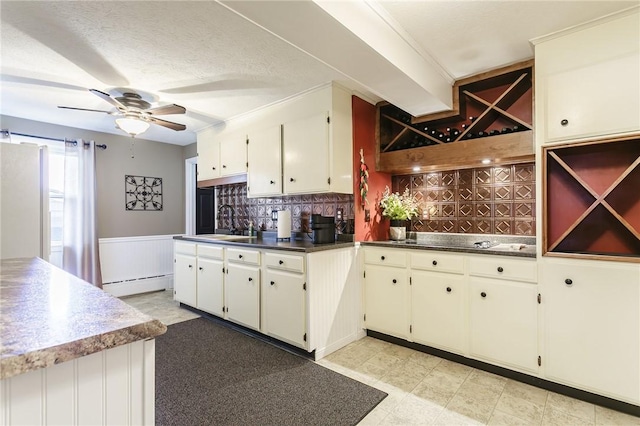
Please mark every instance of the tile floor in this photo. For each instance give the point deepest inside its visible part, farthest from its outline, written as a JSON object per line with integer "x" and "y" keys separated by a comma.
{"x": 427, "y": 390}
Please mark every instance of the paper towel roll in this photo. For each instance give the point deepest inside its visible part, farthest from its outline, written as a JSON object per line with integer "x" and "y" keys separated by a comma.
{"x": 284, "y": 224}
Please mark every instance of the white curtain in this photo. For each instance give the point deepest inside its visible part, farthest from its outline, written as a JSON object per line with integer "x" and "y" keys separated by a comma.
{"x": 80, "y": 234}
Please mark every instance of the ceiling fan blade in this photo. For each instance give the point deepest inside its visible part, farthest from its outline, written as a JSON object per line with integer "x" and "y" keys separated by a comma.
{"x": 86, "y": 109}
{"x": 169, "y": 124}
{"x": 107, "y": 97}
{"x": 166, "y": 110}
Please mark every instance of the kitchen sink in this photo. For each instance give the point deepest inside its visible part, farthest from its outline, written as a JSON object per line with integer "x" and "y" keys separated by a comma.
{"x": 222, "y": 237}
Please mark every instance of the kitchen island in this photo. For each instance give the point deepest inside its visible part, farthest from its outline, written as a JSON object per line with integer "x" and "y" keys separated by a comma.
{"x": 71, "y": 353}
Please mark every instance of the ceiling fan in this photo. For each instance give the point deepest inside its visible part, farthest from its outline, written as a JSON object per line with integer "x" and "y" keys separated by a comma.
{"x": 135, "y": 112}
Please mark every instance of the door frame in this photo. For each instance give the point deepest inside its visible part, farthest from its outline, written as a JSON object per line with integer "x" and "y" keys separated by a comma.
{"x": 190, "y": 195}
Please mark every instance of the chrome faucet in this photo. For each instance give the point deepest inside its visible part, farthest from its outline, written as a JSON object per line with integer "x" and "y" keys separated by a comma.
{"x": 232, "y": 228}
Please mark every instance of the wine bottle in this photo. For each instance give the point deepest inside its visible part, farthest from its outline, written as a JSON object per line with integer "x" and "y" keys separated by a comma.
{"x": 482, "y": 134}
{"x": 494, "y": 132}
{"x": 453, "y": 132}
{"x": 516, "y": 128}
{"x": 472, "y": 119}
{"x": 507, "y": 130}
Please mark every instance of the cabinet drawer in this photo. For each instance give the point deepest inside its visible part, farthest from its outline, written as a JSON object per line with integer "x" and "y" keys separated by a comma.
{"x": 437, "y": 262}
{"x": 285, "y": 262}
{"x": 185, "y": 248}
{"x": 210, "y": 251}
{"x": 248, "y": 257}
{"x": 388, "y": 257}
{"x": 502, "y": 268}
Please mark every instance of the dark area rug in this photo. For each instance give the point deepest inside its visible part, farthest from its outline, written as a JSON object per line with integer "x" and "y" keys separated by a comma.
{"x": 209, "y": 374}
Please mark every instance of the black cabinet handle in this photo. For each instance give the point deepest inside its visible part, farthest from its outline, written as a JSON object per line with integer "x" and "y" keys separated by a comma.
{"x": 292, "y": 180}
{"x": 213, "y": 168}
{"x": 448, "y": 289}
{"x": 200, "y": 268}
{"x": 564, "y": 122}
{"x": 568, "y": 281}
{"x": 240, "y": 256}
{"x": 250, "y": 279}
{"x": 273, "y": 282}
{"x": 483, "y": 294}
{"x": 190, "y": 266}
{"x": 500, "y": 269}
{"x": 394, "y": 281}
{"x": 272, "y": 182}
{"x": 381, "y": 257}
{"x": 224, "y": 166}
{"x": 434, "y": 263}
{"x": 280, "y": 262}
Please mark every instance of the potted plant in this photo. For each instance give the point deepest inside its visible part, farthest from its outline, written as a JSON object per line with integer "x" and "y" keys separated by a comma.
{"x": 398, "y": 208}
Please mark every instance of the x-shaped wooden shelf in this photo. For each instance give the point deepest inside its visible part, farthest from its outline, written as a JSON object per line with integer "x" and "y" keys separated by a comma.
{"x": 600, "y": 199}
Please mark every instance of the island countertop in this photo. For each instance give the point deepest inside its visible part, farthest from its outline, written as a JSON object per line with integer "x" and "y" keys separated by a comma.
{"x": 49, "y": 316}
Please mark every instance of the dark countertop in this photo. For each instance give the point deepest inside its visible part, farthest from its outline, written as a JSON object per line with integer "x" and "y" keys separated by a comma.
{"x": 50, "y": 316}
{"x": 301, "y": 246}
{"x": 528, "y": 251}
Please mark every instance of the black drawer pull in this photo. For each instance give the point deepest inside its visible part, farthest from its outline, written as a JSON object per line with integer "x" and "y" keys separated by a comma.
{"x": 200, "y": 268}
{"x": 568, "y": 281}
{"x": 213, "y": 168}
{"x": 381, "y": 257}
{"x": 394, "y": 281}
{"x": 434, "y": 263}
{"x": 500, "y": 269}
{"x": 448, "y": 289}
{"x": 272, "y": 182}
{"x": 564, "y": 122}
{"x": 250, "y": 279}
{"x": 273, "y": 282}
{"x": 483, "y": 294}
{"x": 190, "y": 266}
{"x": 224, "y": 166}
{"x": 240, "y": 256}
{"x": 280, "y": 262}
{"x": 292, "y": 180}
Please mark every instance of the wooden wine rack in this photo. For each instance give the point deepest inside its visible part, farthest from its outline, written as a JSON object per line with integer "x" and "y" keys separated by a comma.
{"x": 499, "y": 103}
{"x": 591, "y": 196}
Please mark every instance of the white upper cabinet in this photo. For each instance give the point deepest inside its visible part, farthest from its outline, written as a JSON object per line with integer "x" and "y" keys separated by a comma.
{"x": 233, "y": 154}
{"x": 306, "y": 155}
{"x": 264, "y": 152}
{"x": 302, "y": 145}
{"x": 208, "y": 156}
{"x": 587, "y": 81}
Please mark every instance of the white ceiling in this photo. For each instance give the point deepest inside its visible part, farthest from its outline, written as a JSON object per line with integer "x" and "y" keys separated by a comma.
{"x": 223, "y": 59}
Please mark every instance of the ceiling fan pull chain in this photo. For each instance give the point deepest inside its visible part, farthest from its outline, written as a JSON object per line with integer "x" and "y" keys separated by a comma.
{"x": 131, "y": 148}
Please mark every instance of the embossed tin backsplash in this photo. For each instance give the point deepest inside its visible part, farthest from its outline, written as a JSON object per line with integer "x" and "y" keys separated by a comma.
{"x": 488, "y": 200}
{"x": 302, "y": 207}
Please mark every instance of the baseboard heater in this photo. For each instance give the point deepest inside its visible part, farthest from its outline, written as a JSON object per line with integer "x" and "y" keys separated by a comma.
{"x": 134, "y": 265}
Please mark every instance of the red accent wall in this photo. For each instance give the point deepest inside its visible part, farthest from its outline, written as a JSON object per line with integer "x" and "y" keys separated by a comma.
{"x": 364, "y": 130}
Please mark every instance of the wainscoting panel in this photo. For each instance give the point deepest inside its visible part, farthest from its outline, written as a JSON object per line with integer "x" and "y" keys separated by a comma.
{"x": 133, "y": 265}
{"x": 111, "y": 387}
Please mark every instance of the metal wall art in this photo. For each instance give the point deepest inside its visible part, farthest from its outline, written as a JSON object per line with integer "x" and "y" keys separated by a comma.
{"x": 143, "y": 193}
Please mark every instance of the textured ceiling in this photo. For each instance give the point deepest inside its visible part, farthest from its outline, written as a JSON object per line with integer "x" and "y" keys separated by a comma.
{"x": 220, "y": 60}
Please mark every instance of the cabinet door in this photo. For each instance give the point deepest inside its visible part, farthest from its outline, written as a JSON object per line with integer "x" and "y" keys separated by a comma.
{"x": 264, "y": 152}
{"x": 208, "y": 156}
{"x": 306, "y": 155}
{"x": 210, "y": 293}
{"x": 284, "y": 304}
{"x": 598, "y": 99}
{"x": 233, "y": 154}
{"x": 242, "y": 289}
{"x": 184, "y": 279}
{"x": 387, "y": 300}
{"x": 438, "y": 310}
{"x": 503, "y": 322}
{"x": 592, "y": 327}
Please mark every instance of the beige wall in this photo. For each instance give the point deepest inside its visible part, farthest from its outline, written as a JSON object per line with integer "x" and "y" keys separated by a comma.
{"x": 190, "y": 150}
{"x": 151, "y": 159}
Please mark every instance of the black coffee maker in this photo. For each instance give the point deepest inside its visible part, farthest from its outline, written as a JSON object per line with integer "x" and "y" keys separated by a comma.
{"x": 324, "y": 229}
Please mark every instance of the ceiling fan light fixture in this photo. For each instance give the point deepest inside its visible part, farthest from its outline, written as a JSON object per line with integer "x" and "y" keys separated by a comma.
{"x": 132, "y": 126}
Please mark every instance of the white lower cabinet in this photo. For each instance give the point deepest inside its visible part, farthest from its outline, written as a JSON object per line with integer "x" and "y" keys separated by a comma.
{"x": 503, "y": 322}
{"x": 592, "y": 326}
{"x": 387, "y": 300}
{"x": 284, "y": 298}
{"x": 242, "y": 288}
{"x": 284, "y": 306}
{"x": 438, "y": 310}
{"x": 210, "y": 281}
{"x": 184, "y": 273}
